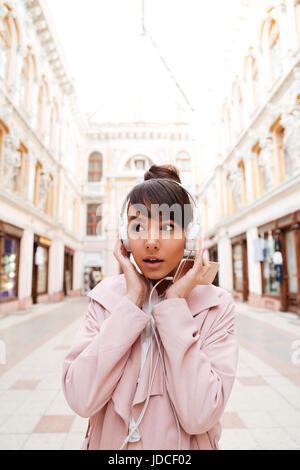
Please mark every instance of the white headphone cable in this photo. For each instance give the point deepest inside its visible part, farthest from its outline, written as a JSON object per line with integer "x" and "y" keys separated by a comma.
{"x": 152, "y": 378}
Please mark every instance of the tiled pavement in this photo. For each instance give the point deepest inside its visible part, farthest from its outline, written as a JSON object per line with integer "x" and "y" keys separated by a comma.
{"x": 263, "y": 411}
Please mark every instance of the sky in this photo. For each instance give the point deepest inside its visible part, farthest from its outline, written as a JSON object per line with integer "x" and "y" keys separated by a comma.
{"x": 119, "y": 75}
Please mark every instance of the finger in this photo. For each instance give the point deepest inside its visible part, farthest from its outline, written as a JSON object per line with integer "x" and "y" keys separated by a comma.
{"x": 205, "y": 257}
{"x": 198, "y": 254}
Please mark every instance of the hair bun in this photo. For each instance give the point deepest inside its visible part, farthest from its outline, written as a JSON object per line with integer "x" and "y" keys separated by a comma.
{"x": 162, "y": 171}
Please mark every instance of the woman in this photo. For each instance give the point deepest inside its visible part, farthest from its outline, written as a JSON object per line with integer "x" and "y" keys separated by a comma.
{"x": 107, "y": 371}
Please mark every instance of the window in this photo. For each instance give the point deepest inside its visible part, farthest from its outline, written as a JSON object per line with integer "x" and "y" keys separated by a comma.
{"x": 43, "y": 190}
{"x": 24, "y": 83}
{"x": 5, "y": 47}
{"x": 95, "y": 167}
{"x": 138, "y": 163}
{"x": 274, "y": 44}
{"x": 42, "y": 99}
{"x": 9, "y": 250}
{"x": 94, "y": 225}
{"x": 41, "y": 261}
{"x": 237, "y": 267}
{"x": 237, "y": 118}
{"x": 183, "y": 161}
{"x": 270, "y": 285}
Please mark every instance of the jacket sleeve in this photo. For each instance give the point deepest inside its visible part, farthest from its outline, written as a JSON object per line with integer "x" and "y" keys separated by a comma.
{"x": 95, "y": 362}
{"x": 200, "y": 372}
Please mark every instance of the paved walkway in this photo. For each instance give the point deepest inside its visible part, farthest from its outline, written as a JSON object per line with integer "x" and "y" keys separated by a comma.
{"x": 263, "y": 411}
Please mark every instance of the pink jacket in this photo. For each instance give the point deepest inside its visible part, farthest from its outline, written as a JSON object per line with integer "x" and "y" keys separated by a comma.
{"x": 200, "y": 353}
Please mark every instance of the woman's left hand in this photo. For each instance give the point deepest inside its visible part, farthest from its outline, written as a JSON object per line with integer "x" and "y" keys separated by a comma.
{"x": 193, "y": 277}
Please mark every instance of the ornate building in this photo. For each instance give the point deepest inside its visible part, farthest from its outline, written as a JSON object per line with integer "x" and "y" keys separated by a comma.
{"x": 252, "y": 192}
{"x": 62, "y": 179}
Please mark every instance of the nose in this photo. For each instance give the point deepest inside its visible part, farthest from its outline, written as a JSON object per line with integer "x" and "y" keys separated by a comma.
{"x": 152, "y": 244}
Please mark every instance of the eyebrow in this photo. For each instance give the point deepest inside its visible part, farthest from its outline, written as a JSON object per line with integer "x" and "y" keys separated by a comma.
{"x": 136, "y": 217}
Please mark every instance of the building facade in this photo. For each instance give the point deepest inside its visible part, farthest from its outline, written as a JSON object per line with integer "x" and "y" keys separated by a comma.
{"x": 41, "y": 145}
{"x": 252, "y": 194}
{"x": 62, "y": 179}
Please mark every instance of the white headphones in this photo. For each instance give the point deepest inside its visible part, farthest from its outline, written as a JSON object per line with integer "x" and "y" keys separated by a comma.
{"x": 192, "y": 232}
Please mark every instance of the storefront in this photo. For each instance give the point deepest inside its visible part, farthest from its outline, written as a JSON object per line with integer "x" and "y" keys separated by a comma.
{"x": 280, "y": 266}
{"x": 240, "y": 267}
{"x": 68, "y": 270}
{"x": 213, "y": 256}
{"x": 10, "y": 237}
{"x": 40, "y": 268}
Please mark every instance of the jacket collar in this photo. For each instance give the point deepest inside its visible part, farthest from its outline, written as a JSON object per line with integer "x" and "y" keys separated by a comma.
{"x": 111, "y": 290}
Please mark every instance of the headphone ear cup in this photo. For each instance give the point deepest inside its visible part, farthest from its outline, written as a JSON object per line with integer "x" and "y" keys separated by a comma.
{"x": 192, "y": 232}
{"x": 124, "y": 236}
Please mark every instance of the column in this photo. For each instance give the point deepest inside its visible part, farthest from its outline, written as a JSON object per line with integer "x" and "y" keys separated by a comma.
{"x": 25, "y": 268}
{"x": 225, "y": 260}
{"x": 55, "y": 269}
{"x": 254, "y": 270}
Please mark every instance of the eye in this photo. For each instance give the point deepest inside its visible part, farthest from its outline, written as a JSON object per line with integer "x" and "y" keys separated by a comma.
{"x": 170, "y": 225}
{"x": 134, "y": 227}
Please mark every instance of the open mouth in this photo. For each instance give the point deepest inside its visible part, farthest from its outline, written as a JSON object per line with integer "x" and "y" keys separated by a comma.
{"x": 153, "y": 261}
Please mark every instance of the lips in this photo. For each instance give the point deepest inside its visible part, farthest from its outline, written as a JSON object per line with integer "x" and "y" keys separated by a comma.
{"x": 152, "y": 260}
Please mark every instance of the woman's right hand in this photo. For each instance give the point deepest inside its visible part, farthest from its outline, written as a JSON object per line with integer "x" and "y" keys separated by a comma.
{"x": 137, "y": 286}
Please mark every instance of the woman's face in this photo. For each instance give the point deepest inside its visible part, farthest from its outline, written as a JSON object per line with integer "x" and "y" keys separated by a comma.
{"x": 158, "y": 237}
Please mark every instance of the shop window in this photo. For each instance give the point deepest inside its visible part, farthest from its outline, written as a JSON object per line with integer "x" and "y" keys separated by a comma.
{"x": 41, "y": 261}
{"x": 9, "y": 267}
{"x": 291, "y": 258}
{"x": 237, "y": 254}
{"x": 94, "y": 225}
{"x": 270, "y": 285}
{"x": 95, "y": 167}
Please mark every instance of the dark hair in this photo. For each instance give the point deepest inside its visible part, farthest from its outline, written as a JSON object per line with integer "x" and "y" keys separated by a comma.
{"x": 158, "y": 188}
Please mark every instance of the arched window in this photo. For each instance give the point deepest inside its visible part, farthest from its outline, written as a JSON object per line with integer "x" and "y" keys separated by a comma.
{"x": 183, "y": 161}
{"x": 241, "y": 167}
{"x": 138, "y": 163}
{"x": 24, "y": 83}
{"x": 274, "y": 45}
{"x": 95, "y": 167}
{"x": 252, "y": 90}
{"x": 229, "y": 196}
{"x": 42, "y": 100}
{"x": 226, "y": 127}
{"x": 237, "y": 111}
{"x": 27, "y": 74}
